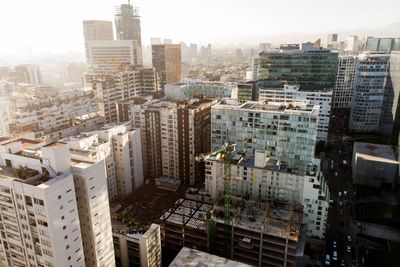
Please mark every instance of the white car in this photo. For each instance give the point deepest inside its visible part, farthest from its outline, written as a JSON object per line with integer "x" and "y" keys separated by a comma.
{"x": 327, "y": 260}
{"x": 336, "y": 174}
{"x": 344, "y": 193}
{"x": 340, "y": 194}
{"x": 349, "y": 238}
{"x": 334, "y": 256}
{"x": 348, "y": 249}
{"x": 334, "y": 244}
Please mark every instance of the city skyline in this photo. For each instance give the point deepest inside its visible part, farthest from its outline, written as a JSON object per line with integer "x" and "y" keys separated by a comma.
{"x": 259, "y": 21}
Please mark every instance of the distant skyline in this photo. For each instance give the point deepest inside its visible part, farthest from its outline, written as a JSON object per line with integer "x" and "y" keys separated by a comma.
{"x": 56, "y": 26}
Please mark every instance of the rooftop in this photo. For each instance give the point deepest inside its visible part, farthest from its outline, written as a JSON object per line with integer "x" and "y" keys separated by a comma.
{"x": 24, "y": 175}
{"x": 375, "y": 152}
{"x": 192, "y": 257}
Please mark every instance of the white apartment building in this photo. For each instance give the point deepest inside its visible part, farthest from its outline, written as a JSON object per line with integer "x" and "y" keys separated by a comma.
{"x": 106, "y": 56}
{"x": 52, "y": 113}
{"x": 130, "y": 81}
{"x": 261, "y": 178}
{"x": 291, "y": 93}
{"x": 286, "y": 131}
{"x": 54, "y": 207}
{"x": 120, "y": 147}
{"x": 191, "y": 88}
{"x": 173, "y": 134}
{"x": 5, "y": 116}
{"x": 138, "y": 248}
{"x": 344, "y": 86}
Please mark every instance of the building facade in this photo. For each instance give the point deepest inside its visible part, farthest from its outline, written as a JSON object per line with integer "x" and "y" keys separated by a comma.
{"x": 260, "y": 178}
{"x": 167, "y": 61}
{"x": 96, "y": 30}
{"x": 106, "y": 56}
{"x": 344, "y": 86}
{"x": 312, "y": 68}
{"x": 291, "y": 93}
{"x": 173, "y": 134}
{"x": 127, "y": 23}
{"x": 192, "y": 88}
{"x": 286, "y": 131}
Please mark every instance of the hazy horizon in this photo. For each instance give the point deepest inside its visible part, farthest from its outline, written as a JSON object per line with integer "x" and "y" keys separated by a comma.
{"x": 56, "y": 26}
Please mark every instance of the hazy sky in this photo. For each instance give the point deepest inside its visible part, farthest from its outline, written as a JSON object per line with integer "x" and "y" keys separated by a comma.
{"x": 56, "y": 26}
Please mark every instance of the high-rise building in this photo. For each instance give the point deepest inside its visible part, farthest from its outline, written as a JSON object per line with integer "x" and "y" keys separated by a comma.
{"x": 394, "y": 71}
{"x": 287, "y": 132}
{"x": 344, "y": 86}
{"x": 167, "y": 61}
{"x": 332, "y": 41}
{"x": 108, "y": 56}
{"x": 51, "y": 113}
{"x": 310, "y": 67}
{"x": 54, "y": 207}
{"x": 137, "y": 248}
{"x": 351, "y": 43}
{"x": 120, "y": 147}
{"x": 27, "y": 73}
{"x": 127, "y": 23}
{"x": 193, "y": 50}
{"x": 259, "y": 177}
{"x": 368, "y": 95}
{"x": 292, "y": 94}
{"x": 96, "y": 30}
{"x": 128, "y": 82}
{"x": 173, "y": 135}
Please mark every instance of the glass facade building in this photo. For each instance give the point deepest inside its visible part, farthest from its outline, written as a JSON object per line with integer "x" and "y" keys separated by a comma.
{"x": 313, "y": 69}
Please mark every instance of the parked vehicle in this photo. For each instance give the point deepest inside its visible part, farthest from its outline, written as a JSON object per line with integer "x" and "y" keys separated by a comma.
{"x": 348, "y": 249}
{"x": 340, "y": 194}
{"x": 344, "y": 193}
{"x": 327, "y": 260}
{"x": 334, "y": 244}
{"x": 334, "y": 255}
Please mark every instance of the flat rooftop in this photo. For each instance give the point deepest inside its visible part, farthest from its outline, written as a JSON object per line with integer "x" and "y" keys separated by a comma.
{"x": 189, "y": 257}
{"x": 295, "y": 107}
{"x": 375, "y": 152}
{"x": 24, "y": 175}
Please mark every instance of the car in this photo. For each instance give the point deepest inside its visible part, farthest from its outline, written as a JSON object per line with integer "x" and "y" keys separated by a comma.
{"x": 334, "y": 244}
{"x": 340, "y": 194}
{"x": 344, "y": 162}
{"x": 342, "y": 263}
{"x": 336, "y": 174}
{"x": 348, "y": 238}
{"x": 340, "y": 203}
{"x": 348, "y": 249}
{"x": 341, "y": 212}
{"x": 344, "y": 193}
{"x": 327, "y": 260}
{"x": 334, "y": 255}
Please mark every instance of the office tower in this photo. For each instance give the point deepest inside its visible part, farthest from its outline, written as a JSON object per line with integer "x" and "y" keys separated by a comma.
{"x": 247, "y": 91}
{"x": 369, "y": 86}
{"x": 139, "y": 248}
{"x": 167, "y": 62}
{"x": 192, "y": 88}
{"x": 286, "y": 131}
{"x": 261, "y": 234}
{"x": 259, "y": 177}
{"x": 205, "y": 51}
{"x": 96, "y": 30}
{"x": 344, "y": 86}
{"x": 128, "y": 82}
{"x": 312, "y": 68}
{"x": 120, "y": 148}
{"x": 193, "y": 50}
{"x": 54, "y": 207}
{"x": 332, "y": 41}
{"x": 27, "y": 73}
{"x": 351, "y": 43}
{"x": 127, "y": 23}
{"x": 265, "y": 46}
{"x": 108, "y": 56}
{"x": 173, "y": 135}
{"x": 385, "y": 45}
{"x": 5, "y": 116}
{"x": 51, "y": 113}
{"x": 292, "y": 94}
